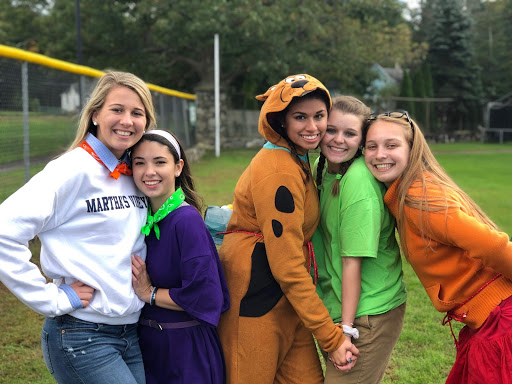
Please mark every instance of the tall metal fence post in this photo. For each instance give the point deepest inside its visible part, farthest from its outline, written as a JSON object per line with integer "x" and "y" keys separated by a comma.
{"x": 26, "y": 131}
{"x": 184, "y": 119}
{"x": 163, "y": 113}
{"x": 82, "y": 89}
{"x": 217, "y": 94}
{"x": 175, "y": 117}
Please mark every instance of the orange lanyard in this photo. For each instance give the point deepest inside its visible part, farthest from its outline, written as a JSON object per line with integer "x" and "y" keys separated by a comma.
{"x": 120, "y": 168}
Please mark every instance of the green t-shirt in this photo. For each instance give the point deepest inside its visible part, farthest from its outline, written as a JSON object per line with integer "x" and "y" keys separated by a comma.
{"x": 356, "y": 223}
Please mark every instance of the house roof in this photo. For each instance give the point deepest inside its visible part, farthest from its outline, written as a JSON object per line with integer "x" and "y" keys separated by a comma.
{"x": 396, "y": 73}
{"x": 389, "y": 75}
{"x": 504, "y": 100}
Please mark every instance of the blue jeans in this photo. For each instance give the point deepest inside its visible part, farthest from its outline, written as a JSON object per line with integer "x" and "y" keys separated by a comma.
{"x": 77, "y": 351}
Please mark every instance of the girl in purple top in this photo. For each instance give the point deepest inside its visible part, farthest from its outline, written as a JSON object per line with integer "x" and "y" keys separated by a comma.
{"x": 182, "y": 281}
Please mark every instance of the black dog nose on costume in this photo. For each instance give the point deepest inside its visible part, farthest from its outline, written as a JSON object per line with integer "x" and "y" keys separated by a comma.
{"x": 300, "y": 83}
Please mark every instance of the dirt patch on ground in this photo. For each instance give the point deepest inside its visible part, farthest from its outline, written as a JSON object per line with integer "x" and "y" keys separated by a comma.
{"x": 20, "y": 164}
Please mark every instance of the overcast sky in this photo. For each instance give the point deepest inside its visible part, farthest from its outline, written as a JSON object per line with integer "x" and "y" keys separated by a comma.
{"x": 413, "y": 3}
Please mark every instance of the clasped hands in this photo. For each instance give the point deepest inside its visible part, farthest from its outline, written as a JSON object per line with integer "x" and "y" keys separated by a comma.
{"x": 345, "y": 357}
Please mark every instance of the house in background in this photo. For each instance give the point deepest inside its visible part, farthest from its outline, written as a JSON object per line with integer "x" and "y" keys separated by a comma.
{"x": 70, "y": 100}
{"x": 386, "y": 83}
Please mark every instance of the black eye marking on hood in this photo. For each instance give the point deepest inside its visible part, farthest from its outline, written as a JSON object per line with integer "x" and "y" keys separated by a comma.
{"x": 295, "y": 84}
{"x": 299, "y": 84}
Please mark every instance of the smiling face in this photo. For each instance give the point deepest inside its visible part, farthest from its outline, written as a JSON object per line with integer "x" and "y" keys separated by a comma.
{"x": 155, "y": 171}
{"x": 342, "y": 139}
{"x": 305, "y": 123}
{"x": 387, "y": 151}
{"x": 121, "y": 120}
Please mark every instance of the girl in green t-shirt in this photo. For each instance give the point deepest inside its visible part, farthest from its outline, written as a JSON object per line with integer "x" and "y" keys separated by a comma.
{"x": 358, "y": 258}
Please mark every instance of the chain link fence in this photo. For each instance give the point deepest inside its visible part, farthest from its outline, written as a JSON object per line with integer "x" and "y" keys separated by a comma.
{"x": 39, "y": 111}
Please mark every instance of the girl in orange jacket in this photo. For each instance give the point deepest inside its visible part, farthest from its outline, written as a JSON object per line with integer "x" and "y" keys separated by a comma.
{"x": 463, "y": 261}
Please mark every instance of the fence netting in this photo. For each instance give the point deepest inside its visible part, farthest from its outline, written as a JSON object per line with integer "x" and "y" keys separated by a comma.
{"x": 29, "y": 141}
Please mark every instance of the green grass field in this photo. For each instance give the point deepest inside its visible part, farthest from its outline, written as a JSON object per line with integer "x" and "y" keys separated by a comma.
{"x": 62, "y": 128}
{"x": 425, "y": 351}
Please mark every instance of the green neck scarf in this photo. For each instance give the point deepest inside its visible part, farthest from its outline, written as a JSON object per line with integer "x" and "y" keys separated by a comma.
{"x": 173, "y": 202}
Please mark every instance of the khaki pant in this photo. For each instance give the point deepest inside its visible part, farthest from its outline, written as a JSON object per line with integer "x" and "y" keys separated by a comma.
{"x": 378, "y": 335}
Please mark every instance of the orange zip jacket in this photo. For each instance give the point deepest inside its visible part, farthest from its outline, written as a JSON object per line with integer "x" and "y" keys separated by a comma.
{"x": 457, "y": 257}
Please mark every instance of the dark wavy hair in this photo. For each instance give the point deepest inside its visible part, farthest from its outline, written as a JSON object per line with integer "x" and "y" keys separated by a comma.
{"x": 277, "y": 120}
{"x": 184, "y": 180}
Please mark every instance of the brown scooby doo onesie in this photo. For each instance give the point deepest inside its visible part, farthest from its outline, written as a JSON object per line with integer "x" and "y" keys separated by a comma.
{"x": 266, "y": 333}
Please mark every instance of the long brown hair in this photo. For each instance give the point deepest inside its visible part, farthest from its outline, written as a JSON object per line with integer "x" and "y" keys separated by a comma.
{"x": 348, "y": 105}
{"x": 423, "y": 167}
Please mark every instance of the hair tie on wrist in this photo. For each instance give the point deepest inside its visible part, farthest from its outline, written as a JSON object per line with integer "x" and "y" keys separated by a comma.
{"x": 350, "y": 331}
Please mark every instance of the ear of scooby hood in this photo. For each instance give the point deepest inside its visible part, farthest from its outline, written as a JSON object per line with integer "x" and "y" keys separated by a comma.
{"x": 277, "y": 98}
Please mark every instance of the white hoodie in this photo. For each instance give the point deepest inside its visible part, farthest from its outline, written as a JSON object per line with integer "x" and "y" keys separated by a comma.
{"x": 89, "y": 225}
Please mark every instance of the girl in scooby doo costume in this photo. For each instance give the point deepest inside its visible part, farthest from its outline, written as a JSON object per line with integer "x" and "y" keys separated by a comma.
{"x": 274, "y": 309}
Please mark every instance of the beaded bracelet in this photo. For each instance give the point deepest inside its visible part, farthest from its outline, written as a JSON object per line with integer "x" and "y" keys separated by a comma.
{"x": 152, "y": 298}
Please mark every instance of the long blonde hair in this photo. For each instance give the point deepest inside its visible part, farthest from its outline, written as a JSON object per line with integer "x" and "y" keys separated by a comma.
{"x": 347, "y": 105}
{"x": 99, "y": 94}
{"x": 423, "y": 167}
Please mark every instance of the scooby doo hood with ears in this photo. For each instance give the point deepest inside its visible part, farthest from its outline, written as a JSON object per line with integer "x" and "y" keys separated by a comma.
{"x": 279, "y": 96}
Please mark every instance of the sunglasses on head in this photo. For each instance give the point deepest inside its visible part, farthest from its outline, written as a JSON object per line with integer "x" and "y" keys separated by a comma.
{"x": 396, "y": 115}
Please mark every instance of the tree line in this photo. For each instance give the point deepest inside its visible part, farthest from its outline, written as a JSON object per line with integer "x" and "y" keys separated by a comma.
{"x": 448, "y": 48}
